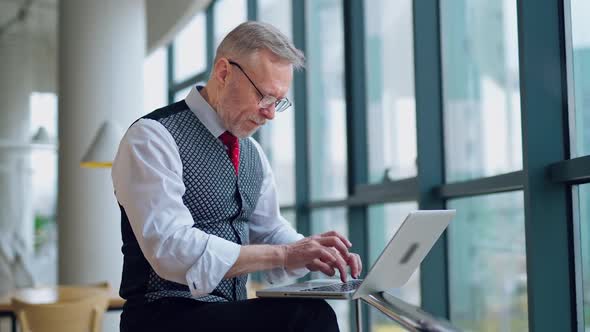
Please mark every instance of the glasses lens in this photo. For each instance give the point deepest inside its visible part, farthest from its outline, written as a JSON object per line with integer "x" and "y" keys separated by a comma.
{"x": 267, "y": 101}
{"x": 282, "y": 105}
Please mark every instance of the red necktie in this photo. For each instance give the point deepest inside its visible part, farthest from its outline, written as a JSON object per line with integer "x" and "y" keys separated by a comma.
{"x": 233, "y": 148}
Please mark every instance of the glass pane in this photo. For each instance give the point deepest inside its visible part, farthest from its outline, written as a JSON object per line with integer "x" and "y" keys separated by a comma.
{"x": 278, "y": 136}
{"x": 324, "y": 220}
{"x": 481, "y": 88}
{"x": 277, "y": 13}
{"x": 190, "y": 49}
{"x": 291, "y": 216}
{"x": 384, "y": 220}
{"x": 487, "y": 263}
{"x": 581, "y": 62}
{"x": 584, "y": 205}
{"x": 391, "y": 115}
{"x": 181, "y": 94}
{"x": 43, "y": 196}
{"x": 155, "y": 81}
{"x": 277, "y": 139}
{"x": 334, "y": 219}
{"x": 29, "y": 54}
{"x": 228, "y": 14}
{"x": 327, "y": 108}
{"x": 256, "y": 281}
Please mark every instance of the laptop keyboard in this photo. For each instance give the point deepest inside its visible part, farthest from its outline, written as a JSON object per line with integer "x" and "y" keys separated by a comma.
{"x": 342, "y": 287}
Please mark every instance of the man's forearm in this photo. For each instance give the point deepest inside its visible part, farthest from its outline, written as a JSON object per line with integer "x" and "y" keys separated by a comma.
{"x": 257, "y": 258}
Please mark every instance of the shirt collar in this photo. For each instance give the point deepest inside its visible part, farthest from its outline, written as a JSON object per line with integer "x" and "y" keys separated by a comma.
{"x": 204, "y": 112}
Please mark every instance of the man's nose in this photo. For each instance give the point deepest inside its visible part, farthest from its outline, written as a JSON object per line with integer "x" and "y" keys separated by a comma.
{"x": 268, "y": 112}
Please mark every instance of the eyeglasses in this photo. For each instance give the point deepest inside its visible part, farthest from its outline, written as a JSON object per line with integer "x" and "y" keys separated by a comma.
{"x": 266, "y": 101}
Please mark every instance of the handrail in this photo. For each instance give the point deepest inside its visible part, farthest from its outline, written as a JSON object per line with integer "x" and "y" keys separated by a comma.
{"x": 408, "y": 316}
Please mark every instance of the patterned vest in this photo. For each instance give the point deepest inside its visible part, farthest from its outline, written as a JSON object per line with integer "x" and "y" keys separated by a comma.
{"x": 219, "y": 201}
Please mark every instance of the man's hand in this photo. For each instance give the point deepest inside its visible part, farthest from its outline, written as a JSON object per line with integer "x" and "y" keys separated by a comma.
{"x": 324, "y": 252}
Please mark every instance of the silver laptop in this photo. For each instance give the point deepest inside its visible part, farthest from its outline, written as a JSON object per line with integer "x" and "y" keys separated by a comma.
{"x": 400, "y": 258}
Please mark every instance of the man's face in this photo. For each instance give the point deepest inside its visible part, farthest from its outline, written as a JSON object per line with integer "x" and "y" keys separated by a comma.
{"x": 238, "y": 100}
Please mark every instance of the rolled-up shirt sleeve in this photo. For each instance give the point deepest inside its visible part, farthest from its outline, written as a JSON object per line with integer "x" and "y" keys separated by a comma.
{"x": 268, "y": 226}
{"x": 147, "y": 178}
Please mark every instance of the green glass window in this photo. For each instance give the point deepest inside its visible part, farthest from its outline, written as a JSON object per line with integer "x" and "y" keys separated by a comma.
{"x": 190, "y": 49}
{"x": 181, "y": 94}
{"x": 391, "y": 114}
{"x": 277, "y": 137}
{"x": 326, "y": 105}
{"x": 323, "y": 220}
{"x": 583, "y": 194}
{"x": 384, "y": 221}
{"x": 481, "y": 89}
{"x": 227, "y": 15}
{"x": 580, "y": 20}
{"x": 487, "y": 263}
{"x": 155, "y": 81}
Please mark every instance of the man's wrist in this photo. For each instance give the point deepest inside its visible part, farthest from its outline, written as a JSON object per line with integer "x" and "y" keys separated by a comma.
{"x": 281, "y": 256}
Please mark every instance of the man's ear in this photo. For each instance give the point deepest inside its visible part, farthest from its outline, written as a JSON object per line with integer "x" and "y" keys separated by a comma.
{"x": 221, "y": 71}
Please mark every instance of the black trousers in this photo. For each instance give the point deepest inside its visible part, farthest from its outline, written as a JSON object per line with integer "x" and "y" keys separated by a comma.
{"x": 263, "y": 314}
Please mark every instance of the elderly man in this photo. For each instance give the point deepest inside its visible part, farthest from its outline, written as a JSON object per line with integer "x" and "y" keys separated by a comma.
{"x": 199, "y": 206}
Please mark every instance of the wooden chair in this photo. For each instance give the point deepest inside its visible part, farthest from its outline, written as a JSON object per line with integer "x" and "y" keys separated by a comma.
{"x": 72, "y": 309}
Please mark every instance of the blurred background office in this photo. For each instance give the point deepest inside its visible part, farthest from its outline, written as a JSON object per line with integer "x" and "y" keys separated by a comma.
{"x": 477, "y": 105}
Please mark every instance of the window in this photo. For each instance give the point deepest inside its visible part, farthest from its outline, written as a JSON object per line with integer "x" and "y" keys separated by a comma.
{"x": 257, "y": 281}
{"x": 487, "y": 263}
{"x": 384, "y": 220}
{"x": 323, "y": 220}
{"x": 155, "y": 81}
{"x": 228, "y": 14}
{"x": 43, "y": 177}
{"x": 326, "y": 105}
{"x": 278, "y": 136}
{"x": 481, "y": 93}
{"x": 580, "y": 11}
{"x": 277, "y": 13}
{"x": 290, "y": 215}
{"x": 190, "y": 49}
{"x": 391, "y": 118}
{"x": 479, "y": 46}
{"x": 181, "y": 94}
{"x": 583, "y": 194}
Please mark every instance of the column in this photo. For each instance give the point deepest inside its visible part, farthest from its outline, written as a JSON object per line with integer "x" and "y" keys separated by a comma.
{"x": 101, "y": 53}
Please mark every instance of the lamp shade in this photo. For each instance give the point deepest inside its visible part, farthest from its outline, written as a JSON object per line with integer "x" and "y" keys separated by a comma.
{"x": 103, "y": 149}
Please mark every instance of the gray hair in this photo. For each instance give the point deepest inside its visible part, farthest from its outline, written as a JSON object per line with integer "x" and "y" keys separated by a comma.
{"x": 249, "y": 37}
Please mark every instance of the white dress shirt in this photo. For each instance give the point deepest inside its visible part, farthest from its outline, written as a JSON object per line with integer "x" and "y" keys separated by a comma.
{"x": 147, "y": 177}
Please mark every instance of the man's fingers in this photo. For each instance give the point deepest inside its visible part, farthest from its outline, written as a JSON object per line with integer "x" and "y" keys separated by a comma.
{"x": 318, "y": 265}
{"x": 329, "y": 250}
{"x": 340, "y": 264}
{"x": 338, "y": 235}
{"x": 331, "y": 259}
{"x": 325, "y": 255}
{"x": 360, "y": 264}
{"x": 334, "y": 241}
{"x": 355, "y": 265}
